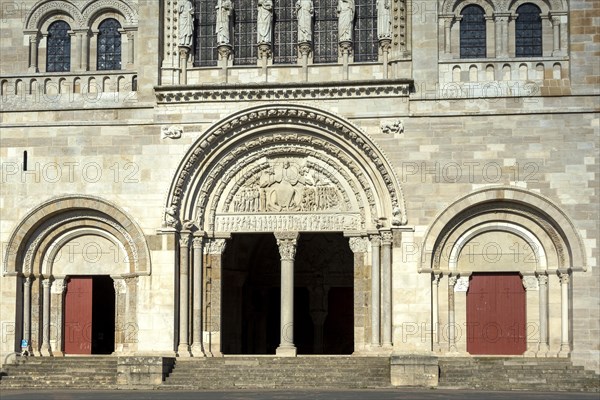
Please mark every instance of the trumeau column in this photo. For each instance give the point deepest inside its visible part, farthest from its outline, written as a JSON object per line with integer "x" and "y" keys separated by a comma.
{"x": 212, "y": 321}
{"x": 565, "y": 346}
{"x": 183, "y": 350}
{"x": 287, "y": 241}
{"x": 451, "y": 318}
{"x": 27, "y": 312}
{"x": 386, "y": 288}
{"x": 375, "y": 291}
{"x": 435, "y": 307}
{"x": 197, "y": 348}
{"x": 543, "y": 342}
{"x": 45, "y": 349}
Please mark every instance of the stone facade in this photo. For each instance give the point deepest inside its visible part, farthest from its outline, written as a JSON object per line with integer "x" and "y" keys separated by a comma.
{"x": 433, "y": 169}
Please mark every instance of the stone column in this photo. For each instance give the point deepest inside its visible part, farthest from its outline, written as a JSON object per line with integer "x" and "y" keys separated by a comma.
{"x": 385, "y": 45}
{"x": 346, "y": 51}
{"x": 57, "y": 306}
{"x": 359, "y": 247}
{"x": 543, "y": 342}
{"x": 448, "y": 21}
{"x": 375, "y": 291}
{"x": 530, "y": 283}
{"x": 197, "y": 349}
{"x": 451, "y": 319}
{"x": 501, "y": 20}
{"x": 435, "y": 307}
{"x": 565, "y": 346}
{"x": 304, "y": 49}
{"x": 386, "y": 288}
{"x": 225, "y": 52}
{"x": 33, "y": 51}
{"x": 212, "y": 320}
{"x": 45, "y": 349}
{"x": 130, "y": 32}
{"x": 286, "y": 241}
{"x": 27, "y": 312}
{"x": 555, "y": 35}
{"x": 184, "y": 52}
{"x": 183, "y": 350}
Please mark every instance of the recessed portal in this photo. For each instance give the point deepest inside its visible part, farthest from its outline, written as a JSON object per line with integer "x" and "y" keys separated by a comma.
{"x": 323, "y": 295}
{"x": 89, "y": 323}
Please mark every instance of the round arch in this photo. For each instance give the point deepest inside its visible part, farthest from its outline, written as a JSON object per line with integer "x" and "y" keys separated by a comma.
{"x": 290, "y": 149}
{"x": 46, "y": 224}
{"x": 45, "y": 9}
{"x": 537, "y": 218}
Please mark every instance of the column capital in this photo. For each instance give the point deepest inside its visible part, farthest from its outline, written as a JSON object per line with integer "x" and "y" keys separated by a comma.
{"x": 452, "y": 280}
{"x": 564, "y": 278}
{"x": 215, "y": 246}
{"x": 358, "y": 244}
{"x": 530, "y": 282}
{"x": 386, "y": 238}
{"x": 286, "y": 241}
{"x": 542, "y": 279}
{"x": 375, "y": 240}
{"x": 436, "y": 277}
{"x": 197, "y": 242}
{"x": 59, "y": 286}
{"x": 184, "y": 241}
{"x": 27, "y": 281}
{"x": 47, "y": 283}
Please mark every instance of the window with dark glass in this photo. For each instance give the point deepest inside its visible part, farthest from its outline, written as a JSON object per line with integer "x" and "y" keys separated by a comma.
{"x": 472, "y": 32}
{"x": 244, "y": 32}
{"x": 528, "y": 31}
{"x": 365, "y": 31}
{"x": 206, "y": 38}
{"x": 285, "y": 49}
{"x": 109, "y": 45}
{"x": 58, "y": 47}
{"x": 325, "y": 36}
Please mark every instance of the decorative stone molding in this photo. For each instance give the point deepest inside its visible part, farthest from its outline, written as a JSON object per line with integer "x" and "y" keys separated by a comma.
{"x": 268, "y": 91}
{"x": 462, "y": 284}
{"x": 59, "y": 286}
{"x": 171, "y": 132}
{"x": 386, "y": 238}
{"x": 358, "y": 244}
{"x": 215, "y": 246}
{"x": 452, "y": 280}
{"x": 286, "y": 242}
{"x": 392, "y": 126}
{"x": 542, "y": 279}
{"x": 564, "y": 278}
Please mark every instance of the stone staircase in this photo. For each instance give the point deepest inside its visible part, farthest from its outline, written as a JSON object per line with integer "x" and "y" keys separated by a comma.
{"x": 280, "y": 372}
{"x": 60, "y": 372}
{"x": 499, "y": 373}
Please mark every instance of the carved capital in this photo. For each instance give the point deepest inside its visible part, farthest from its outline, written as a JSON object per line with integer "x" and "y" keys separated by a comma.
{"x": 184, "y": 241}
{"x": 386, "y": 238}
{"x": 197, "y": 242}
{"x": 358, "y": 244}
{"x": 119, "y": 285}
{"x": 27, "y": 282}
{"x": 530, "y": 282}
{"x": 224, "y": 51}
{"x": 304, "y": 49}
{"x": 564, "y": 278}
{"x": 435, "y": 278}
{"x": 264, "y": 51}
{"x": 287, "y": 241}
{"x": 59, "y": 286}
{"x": 375, "y": 240}
{"x": 216, "y": 246}
{"x": 346, "y": 48}
{"x": 452, "y": 280}
{"x": 462, "y": 284}
{"x": 543, "y": 279}
{"x": 46, "y": 283}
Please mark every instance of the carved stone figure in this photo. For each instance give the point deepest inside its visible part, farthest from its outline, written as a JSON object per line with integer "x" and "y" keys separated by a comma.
{"x": 264, "y": 21}
{"x": 171, "y": 132}
{"x": 222, "y": 28}
{"x": 186, "y": 24}
{"x": 392, "y": 126}
{"x": 345, "y": 11}
{"x": 384, "y": 20}
{"x": 305, "y": 12}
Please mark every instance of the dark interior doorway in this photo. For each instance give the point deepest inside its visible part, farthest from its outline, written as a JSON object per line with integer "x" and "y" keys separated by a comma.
{"x": 323, "y": 295}
{"x": 89, "y": 315}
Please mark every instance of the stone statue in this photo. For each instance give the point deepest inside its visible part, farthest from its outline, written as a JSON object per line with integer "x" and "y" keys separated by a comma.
{"x": 264, "y": 21}
{"x": 186, "y": 24}
{"x": 345, "y": 11}
{"x": 384, "y": 21}
{"x": 222, "y": 28}
{"x": 305, "y": 12}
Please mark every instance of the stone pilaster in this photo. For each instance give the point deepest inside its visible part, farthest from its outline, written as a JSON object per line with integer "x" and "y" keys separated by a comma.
{"x": 183, "y": 350}
{"x": 565, "y": 345}
{"x": 197, "y": 293}
{"x": 45, "y": 349}
{"x": 530, "y": 283}
{"x": 58, "y": 289}
{"x": 386, "y": 288}
{"x": 27, "y": 312}
{"x": 212, "y": 314}
{"x": 435, "y": 308}
{"x": 375, "y": 291}
{"x": 543, "y": 345}
{"x": 451, "y": 317}
{"x": 287, "y": 241}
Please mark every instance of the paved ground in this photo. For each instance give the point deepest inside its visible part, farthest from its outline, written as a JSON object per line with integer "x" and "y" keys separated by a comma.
{"x": 399, "y": 394}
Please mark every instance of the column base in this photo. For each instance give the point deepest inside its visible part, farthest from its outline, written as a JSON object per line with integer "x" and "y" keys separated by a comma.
{"x": 183, "y": 351}
{"x": 565, "y": 351}
{"x": 286, "y": 351}
{"x": 197, "y": 351}
{"x": 45, "y": 351}
{"x": 542, "y": 350}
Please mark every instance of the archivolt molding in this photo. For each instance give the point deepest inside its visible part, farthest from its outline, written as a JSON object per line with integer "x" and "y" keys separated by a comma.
{"x": 83, "y": 16}
{"x": 31, "y": 238}
{"x": 501, "y": 6}
{"x": 254, "y": 130}
{"x": 44, "y": 9}
{"x": 486, "y": 204}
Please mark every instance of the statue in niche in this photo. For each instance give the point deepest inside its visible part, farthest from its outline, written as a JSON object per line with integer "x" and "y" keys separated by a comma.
{"x": 384, "y": 20}
{"x": 222, "y": 27}
{"x": 345, "y": 11}
{"x": 264, "y": 21}
{"x": 186, "y": 24}
{"x": 305, "y": 12}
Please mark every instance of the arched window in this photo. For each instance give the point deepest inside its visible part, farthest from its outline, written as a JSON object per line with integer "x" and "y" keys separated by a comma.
{"x": 528, "y": 31}
{"x": 286, "y": 32}
{"x": 325, "y": 35}
{"x": 244, "y": 32}
{"x": 206, "y": 38}
{"x": 365, "y": 31}
{"x": 58, "y": 47}
{"x": 472, "y": 32}
{"x": 109, "y": 45}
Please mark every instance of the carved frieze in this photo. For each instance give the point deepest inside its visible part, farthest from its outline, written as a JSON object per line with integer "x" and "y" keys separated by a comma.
{"x": 284, "y": 221}
{"x": 530, "y": 282}
{"x": 358, "y": 244}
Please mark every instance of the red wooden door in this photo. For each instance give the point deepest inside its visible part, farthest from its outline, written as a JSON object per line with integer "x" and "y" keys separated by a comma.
{"x": 496, "y": 315}
{"x": 78, "y": 316}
